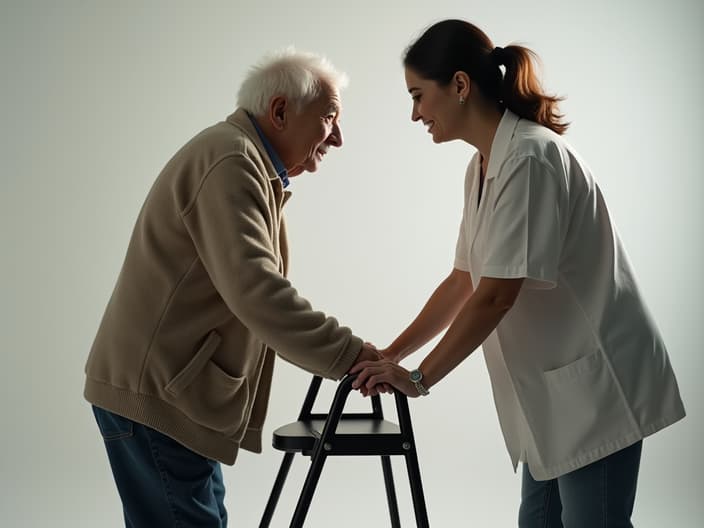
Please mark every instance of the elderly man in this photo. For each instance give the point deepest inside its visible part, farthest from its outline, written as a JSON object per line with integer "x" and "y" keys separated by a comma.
{"x": 180, "y": 370}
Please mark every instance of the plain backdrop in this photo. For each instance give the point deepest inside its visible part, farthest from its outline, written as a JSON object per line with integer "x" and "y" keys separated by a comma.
{"x": 97, "y": 96}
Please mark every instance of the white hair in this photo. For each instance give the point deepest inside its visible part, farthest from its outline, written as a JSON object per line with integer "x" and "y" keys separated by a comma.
{"x": 297, "y": 75}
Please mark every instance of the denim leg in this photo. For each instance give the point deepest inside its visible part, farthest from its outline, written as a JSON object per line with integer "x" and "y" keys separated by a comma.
{"x": 540, "y": 503}
{"x": 161, "y": 482}
{"x": 602, "y": 494}
{"x": 219, "y": 494}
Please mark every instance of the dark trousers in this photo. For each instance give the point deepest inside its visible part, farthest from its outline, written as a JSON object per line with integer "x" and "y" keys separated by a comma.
{"x": 600, "y": 495}
{"x": 161, "y": 482}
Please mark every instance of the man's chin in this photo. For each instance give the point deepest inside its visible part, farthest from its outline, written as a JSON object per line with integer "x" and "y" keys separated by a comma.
{"x": 295, "y": 171}
{"x": 310, "y": 165}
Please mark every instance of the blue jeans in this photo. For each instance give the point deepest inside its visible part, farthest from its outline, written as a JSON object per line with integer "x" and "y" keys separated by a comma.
{"x": 161, "y": 482}
{"x": 600, "y": 495}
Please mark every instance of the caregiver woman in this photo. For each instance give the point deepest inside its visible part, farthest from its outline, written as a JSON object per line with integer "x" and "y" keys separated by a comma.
{"x": 541, "y": 280}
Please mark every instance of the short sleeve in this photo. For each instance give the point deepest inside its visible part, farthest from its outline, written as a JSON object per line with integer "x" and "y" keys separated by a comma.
{"x": 462, "y": 247}
{"x": 524, "y": 232}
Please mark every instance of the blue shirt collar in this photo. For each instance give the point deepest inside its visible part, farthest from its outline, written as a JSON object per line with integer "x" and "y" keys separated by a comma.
{"x": 273, "y": 156}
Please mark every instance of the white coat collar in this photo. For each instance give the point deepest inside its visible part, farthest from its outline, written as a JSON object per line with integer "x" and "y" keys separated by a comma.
{"x": 501, "y": 142}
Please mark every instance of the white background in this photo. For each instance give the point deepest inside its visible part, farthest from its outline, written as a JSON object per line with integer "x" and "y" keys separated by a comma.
{"x": 97, "y": 96}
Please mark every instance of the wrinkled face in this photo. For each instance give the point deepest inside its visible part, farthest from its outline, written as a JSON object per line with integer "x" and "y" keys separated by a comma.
{"x": 436, "y": 106}
{"x": 312, "y": 132}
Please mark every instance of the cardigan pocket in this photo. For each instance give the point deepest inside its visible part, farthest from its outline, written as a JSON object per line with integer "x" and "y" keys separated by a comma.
{"x": 184, "y": 378}
{"x": 207, "y": 394}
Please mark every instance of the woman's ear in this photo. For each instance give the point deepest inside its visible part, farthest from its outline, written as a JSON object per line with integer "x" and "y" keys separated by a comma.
{"x": 462, "y": 84}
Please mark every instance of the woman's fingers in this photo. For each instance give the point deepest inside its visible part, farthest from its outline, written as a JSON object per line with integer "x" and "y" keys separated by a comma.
{"x": 364, "y": 371}
{"x": 375, "y": 377}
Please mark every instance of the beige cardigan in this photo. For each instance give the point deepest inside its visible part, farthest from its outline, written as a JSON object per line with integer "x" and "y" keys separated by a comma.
{"x": 186, "y": 344}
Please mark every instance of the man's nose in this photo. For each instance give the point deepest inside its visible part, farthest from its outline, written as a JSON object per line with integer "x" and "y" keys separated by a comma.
{"x": 335, "y": 137}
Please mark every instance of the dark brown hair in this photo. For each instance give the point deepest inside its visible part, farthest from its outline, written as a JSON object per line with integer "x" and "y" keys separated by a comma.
{"x": 455, "y": 45}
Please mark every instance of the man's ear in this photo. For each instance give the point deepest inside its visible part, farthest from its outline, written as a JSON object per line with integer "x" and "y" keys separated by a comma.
{"x": 278, "y": 112}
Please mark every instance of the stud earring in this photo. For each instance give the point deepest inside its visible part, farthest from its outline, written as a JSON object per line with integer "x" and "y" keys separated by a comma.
{"x": 461, "y": 100}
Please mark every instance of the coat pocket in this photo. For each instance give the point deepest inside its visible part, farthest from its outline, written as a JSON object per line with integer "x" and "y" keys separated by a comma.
{"x": 583, "y": 408}
{"x": 207, "y": 394}
{"x": 579, "y": 367}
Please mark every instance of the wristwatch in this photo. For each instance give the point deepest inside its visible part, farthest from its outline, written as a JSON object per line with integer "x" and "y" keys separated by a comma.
{"x": 416, "y": 376}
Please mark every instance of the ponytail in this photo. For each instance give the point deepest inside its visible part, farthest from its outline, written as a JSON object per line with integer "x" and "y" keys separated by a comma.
{"x": 455, "y": 45}
{"x": 521, "y": 92}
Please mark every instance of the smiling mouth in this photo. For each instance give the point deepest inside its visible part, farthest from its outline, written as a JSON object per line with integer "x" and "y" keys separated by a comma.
{"x": 430, "y": 125}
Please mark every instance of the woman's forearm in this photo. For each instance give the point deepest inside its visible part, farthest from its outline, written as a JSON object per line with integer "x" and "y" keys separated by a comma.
{"x": 440, "y": 310}
{"x": 475, "y": 321}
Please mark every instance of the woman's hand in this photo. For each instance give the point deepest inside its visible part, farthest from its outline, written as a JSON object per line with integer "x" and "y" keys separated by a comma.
{"x": 370, "y": 354}
{"x": 374, "y": 376}
{"x": 388, "y": 354}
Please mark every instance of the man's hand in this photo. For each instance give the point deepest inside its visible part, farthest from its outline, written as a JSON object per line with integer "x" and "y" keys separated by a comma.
{"x": 368, "y": 353}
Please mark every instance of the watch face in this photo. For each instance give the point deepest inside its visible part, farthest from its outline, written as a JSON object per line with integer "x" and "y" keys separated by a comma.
{"x": 416, "y": 375}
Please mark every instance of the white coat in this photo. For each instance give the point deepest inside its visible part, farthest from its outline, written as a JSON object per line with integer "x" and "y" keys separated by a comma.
{"x": 577, "y": 366}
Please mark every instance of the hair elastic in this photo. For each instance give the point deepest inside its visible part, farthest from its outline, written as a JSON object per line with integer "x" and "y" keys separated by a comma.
{"x": 498, "y": 56}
